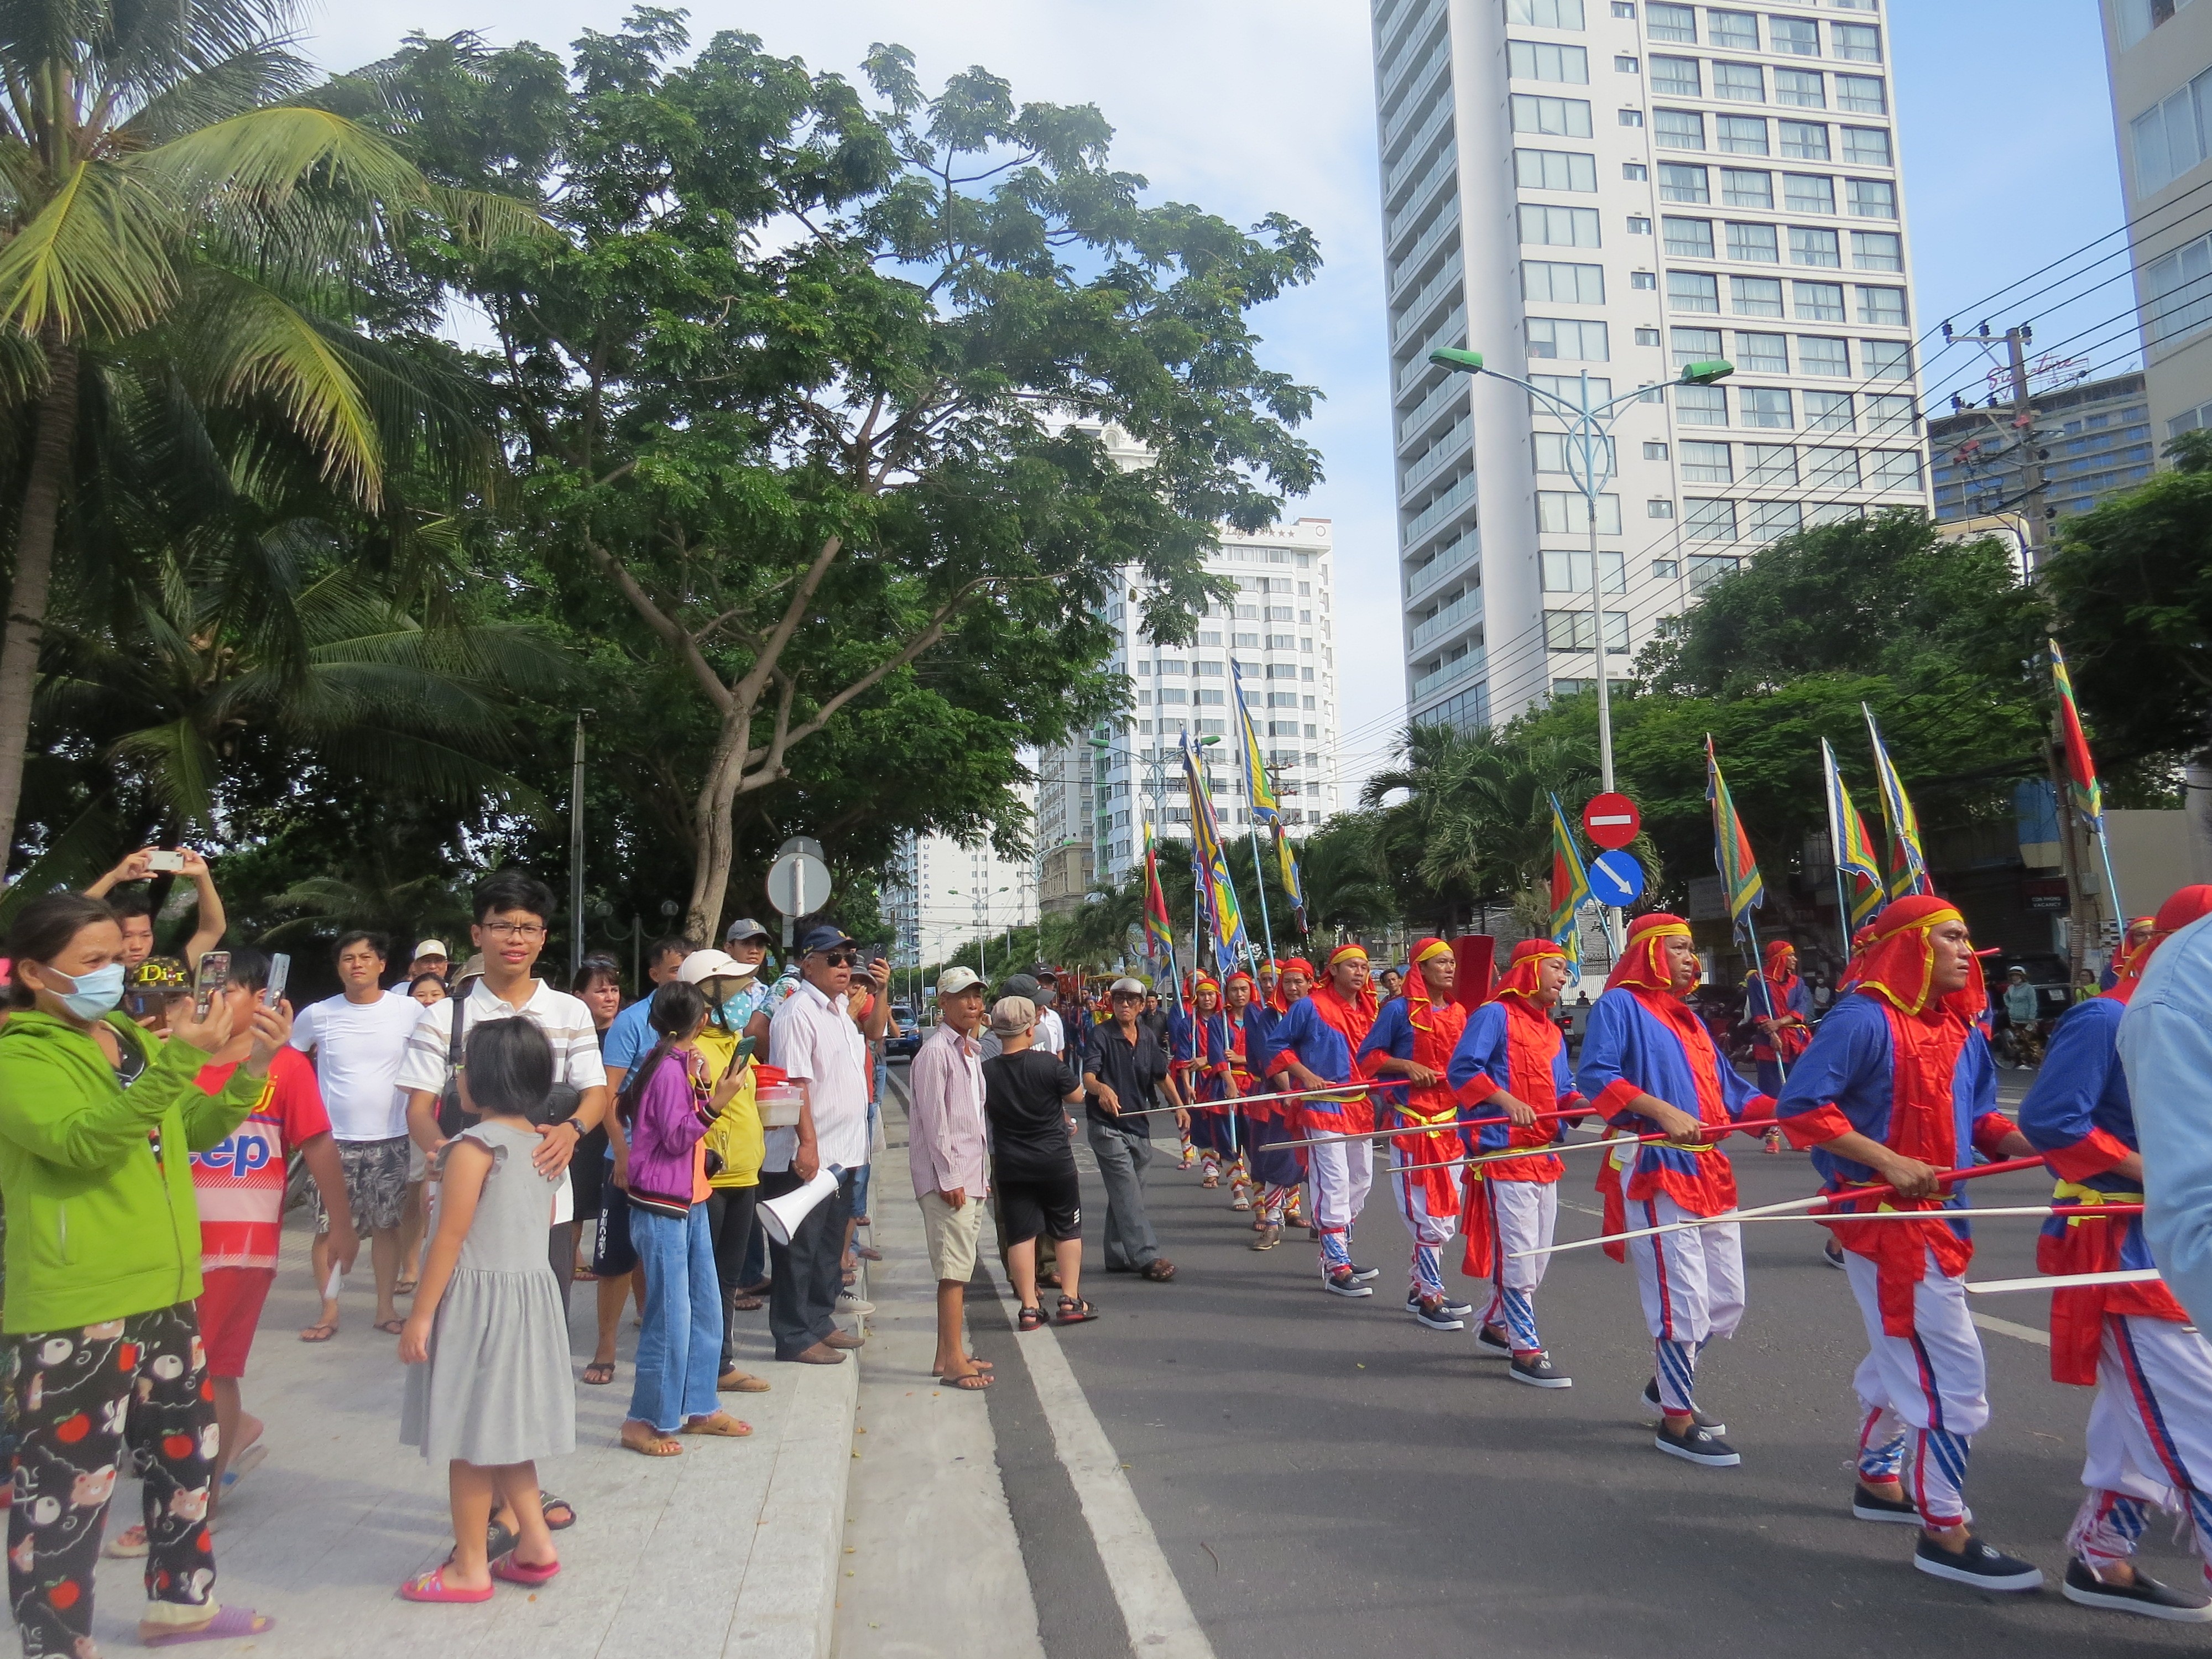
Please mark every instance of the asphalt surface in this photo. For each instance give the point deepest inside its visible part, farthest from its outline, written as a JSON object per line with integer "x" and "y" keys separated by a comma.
{"x": 1328, "y": 1478}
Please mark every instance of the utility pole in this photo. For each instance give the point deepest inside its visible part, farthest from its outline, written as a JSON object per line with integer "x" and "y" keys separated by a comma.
{"x": 2031, "y": 455}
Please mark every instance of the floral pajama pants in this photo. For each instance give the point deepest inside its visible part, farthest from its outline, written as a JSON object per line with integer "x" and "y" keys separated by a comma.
{"x": 81, "y": 1398}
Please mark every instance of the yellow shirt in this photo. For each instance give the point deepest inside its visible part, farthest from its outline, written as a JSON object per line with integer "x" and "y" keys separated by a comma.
{"x": 735, "y": 1137}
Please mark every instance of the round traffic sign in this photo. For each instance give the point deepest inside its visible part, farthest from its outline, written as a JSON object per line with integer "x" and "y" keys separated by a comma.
{"x": 798, "y": 884}
{"x": 1616, "y": 879}
{"x": 1611, "y": 820}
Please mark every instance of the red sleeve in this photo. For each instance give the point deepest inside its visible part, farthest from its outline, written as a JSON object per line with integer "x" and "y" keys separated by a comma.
{"x": 2093, "y": 1155}
{"x": 1990, "y": 1129}
{"x": 1813, "y": 1128}
{"x": 1476, "y": 1090}
{"x": 1280, "y": 1067}
{"x": 298, "y": 1097}
{"x": 1616, "y": 1097}
{"x": 1760, "y": 1108}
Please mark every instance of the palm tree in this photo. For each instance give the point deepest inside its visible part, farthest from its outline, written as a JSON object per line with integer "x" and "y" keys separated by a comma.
{"x": 165, "y": 217}
{"x": 1347, "y": 887}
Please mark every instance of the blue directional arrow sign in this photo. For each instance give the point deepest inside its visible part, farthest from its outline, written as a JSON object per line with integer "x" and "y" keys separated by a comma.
{"x": 1616, "y": 879}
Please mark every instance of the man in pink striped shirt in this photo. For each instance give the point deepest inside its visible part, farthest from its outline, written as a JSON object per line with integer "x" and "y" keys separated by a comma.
{"x": 946, "y": 1154}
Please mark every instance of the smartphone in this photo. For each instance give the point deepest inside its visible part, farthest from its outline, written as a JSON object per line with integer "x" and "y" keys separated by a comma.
{"x": 744, "y": 1053}
{"x": 161, "y": 862}
{"x": 214, "y": 974}
{"x": 280, "y": 969}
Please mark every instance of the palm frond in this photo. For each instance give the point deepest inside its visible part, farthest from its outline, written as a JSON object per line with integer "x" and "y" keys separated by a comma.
{"x": 266, "y": 156}
{"x": 95, "y": 260}
{"x": 175, "y": 762}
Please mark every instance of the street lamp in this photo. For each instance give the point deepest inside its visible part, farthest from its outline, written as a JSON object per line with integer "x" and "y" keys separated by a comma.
{"x": 1589, "y": 464}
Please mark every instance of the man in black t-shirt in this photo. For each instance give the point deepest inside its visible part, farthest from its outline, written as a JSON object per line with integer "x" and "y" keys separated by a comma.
{"x": 1123, "y": 1061}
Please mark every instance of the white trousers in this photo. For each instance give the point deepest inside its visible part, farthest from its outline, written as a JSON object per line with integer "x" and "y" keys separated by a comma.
{"x": 2150, "y": 1439}
{"x": 1430, "y": 1231}
{"x": 1922, "y": 1397}
{"x": 1339, "y": 1174}
{"x": 1524, "y": 1215}
{"x": 1691, "y": 1286}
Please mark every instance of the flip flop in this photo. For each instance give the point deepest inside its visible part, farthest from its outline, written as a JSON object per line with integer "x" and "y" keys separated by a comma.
{"x": 243, "y": 1464}
{"x": 406, "y": 1287}
{"x": 429, "y": 1587}
{"x": 391, "y": 1327}
{"x": 660, "y": 1445}
{"x": 748, "y": 1304}
{"x": 547, "y": 1503}
{"x": 719, "y": 1425}
{"x": 319, "y": 1333}
{"x": 513, "y": 1572}
{"x": 974, "y": 1383}
{"x": 605, "y": 1368}
{"x": 230, "y": 1622}
{"x": 129, "y": 1545}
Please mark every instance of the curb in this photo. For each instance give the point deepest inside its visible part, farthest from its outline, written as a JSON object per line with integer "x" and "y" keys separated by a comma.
{"x": 788, "y": 1597}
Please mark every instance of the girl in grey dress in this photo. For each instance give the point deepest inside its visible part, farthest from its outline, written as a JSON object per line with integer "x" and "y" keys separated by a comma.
{"x": 489, "y": 1391}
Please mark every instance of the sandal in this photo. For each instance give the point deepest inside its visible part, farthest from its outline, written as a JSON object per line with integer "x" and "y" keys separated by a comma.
{"x": 431, "y": 1587}
{"x": 1159, "y": 1270}
{"x": 228, "y": 1624}
{"x": 749, "y": 1304}
{"x": 1030, "y": 1319}
{"x": 498, "y": 1541}
{"x": 391, "y": 1327}
{"x": 406, "y": 1287}
{"x": 599, "y": 1372}
{"x": 1048, "y": 1280}
{"x": 129, "y": 1545}
{"x": 651, "y": 1443}
{"x": 547, "y": 1503}
{"x": 1074, "y": 1310}
{"x": 717, "y": 1425}
{"x": 513, "y": 1572}
{"x": 319, "y": 1333}
{"x": 974, "y": 1383}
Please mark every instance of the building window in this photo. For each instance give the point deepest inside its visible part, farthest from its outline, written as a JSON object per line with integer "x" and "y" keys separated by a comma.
{"x": 1547, "y": 14}
{"x": 1684, "y": 181}
{"x": 1739, "y": 83}
{"x": 1664, "y": 568}
{"x": 1764, "y": 406}
{"x": 1877, "y": 250}
{"x": 1687, "y": 238}
{"x": 1706, "y": 568}
{"x": 1696, "y": 345}
{"x": 1894, "y": 469}
{"x": 1742, "y": 135}
{"x": 1805, "y": 141}
{"x": 1644, "y": 279}
{"x": 1889, "y": 414}
{"x": 1647, "y": 337}
{"x": 1771, "y": 519}
{"x": 1866, "y": 147}
{"x": 1635, "y": 172}
{"x": 1632, "y": 118}
{"x": 1882, "y": 307}
{"x": 1736, "y": 31}
{"x": 1676, "y": 77}
{"x": 1559, "y": 227}
{"x": 1886, "y": 360}
{"x": 1830, "y": 468}
{"x": 1770, "y": 465}
{"x": 1174, "y": 694}
{"x": 1211, "y": 695}
{"x": 1809, "y": 192}
{"x": 1806, "y": 88}
{"x": 1678, "y": 129}
{"x": 1700, "y": 405}
{"x": 1556, "y": 117}
{"x": 1755, "y": 296}
{"x": 1658, "y": 509}
{"x": 1666, "y": 23}
{"x": 1564, "y": 512}
{"x": 1543, "y": 60}
{"x": 1654, "y": 452}
{"x": 1743, "y": 189}
{"x": 1829, "y": 411}
{"x": 1858, "y": 43}
{"x": 1552, "y": 453}
{"x": 1706, "y": 463}
{"x": 1692, "y": 290}
{"x": 1818, "y": 302}
{"x": 1797, "y": 37}
{"x": 1871, "y": 199}
{"x": 1763, "y": 354}
{"x": 2169, "y": 136}
{"x": 1624, "y": 66}
{"x": 1754, "y": 244}
{"x": 2180, "y": 287}
{"x": 1556, "y": 283}
{"x": 1571, "y": 630}
{"x": 1824, "y": 357}
{"x": 1639, "y": 225}
{"x": 1861, "y": 95}
{"x": 1709, "y": 519}
{"x": 1554, "y": 169}
{"x": 1570, "y": 573}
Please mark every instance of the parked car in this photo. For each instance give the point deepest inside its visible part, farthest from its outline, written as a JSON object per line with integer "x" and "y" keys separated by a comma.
{"x": 911, "y": 1031}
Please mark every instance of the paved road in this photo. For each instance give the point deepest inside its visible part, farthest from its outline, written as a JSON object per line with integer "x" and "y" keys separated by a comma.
{"x": 1328, "y": 1478}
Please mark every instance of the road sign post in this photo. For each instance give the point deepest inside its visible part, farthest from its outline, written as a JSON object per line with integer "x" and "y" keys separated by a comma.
{"x": 1616, "y": 879}
{"x": 798, "y": 884}
{"x": 1610, "y": 821}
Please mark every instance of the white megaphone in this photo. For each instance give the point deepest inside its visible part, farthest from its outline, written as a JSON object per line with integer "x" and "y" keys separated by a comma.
{"x": 780, "y": 1216}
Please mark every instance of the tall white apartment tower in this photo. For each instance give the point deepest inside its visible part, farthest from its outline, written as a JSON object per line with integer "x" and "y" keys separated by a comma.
{"x": 1619, "y": 188}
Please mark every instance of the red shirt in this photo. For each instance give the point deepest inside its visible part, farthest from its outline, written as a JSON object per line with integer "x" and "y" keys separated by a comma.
{"x": 240, "y": 1182}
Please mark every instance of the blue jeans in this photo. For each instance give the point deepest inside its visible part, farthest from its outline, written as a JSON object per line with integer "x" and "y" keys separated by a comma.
{"x": 679, "y": 1350}
{"x": 860, "y": 1175}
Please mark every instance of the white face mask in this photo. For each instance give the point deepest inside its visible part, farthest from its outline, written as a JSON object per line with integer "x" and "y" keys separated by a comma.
{"x": 90, "y": 994}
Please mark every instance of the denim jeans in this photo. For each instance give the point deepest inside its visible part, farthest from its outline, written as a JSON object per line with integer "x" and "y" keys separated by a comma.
{"x": 679, "y": 1350}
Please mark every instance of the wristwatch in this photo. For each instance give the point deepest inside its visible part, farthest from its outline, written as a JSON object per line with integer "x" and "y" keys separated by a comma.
{"x": 574, "y": 1121}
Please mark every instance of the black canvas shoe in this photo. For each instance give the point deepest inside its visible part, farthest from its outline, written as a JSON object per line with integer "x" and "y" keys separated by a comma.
{"x": 1978, "y": 1565}
{"x": 1538, "y": 1372}
{"x": 1832, "y": 1253}
{"x": 1697, "y": 1445}
{"x": 1491, "y": 1339}
{"x": 1341, "y": 1283}
{"x": 1456, "y": 1310}
{"x": 1437, "y": 1316}
{"x": 1363, "y": 1274}
{"x": 1872, "y": 1506}
{"x": 2146, "y": 1596}
{"x": 1652, "y": 1408}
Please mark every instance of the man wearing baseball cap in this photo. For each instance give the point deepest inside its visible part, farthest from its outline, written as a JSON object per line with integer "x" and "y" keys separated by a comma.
{"x": 747, "y": 941}
{"x": 947, "y": 1155}
{"x": 430, "y": 957}
{"x": 1124, "y": 1063}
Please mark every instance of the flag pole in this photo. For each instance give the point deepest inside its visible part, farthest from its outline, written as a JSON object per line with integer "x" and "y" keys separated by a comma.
{"x": 1828, "y": 775}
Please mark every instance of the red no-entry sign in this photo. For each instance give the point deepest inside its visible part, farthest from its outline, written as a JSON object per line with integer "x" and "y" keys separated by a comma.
{"x": 1610, "y": 821}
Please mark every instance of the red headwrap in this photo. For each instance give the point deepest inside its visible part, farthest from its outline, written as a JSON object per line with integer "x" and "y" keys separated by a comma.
{"x": 1368, "y": 999}
{"x": 1521, "y": 977}
{"x": 2187, "y": 905}
{"x": 1643, "y": 962}
{"x": 1898, "y": 962}
{"x": 2120, "y": 951}
{"x": 1417, "y": 983}
{"x": 1290, "y": 965}
{"x": 1775, "y": 950}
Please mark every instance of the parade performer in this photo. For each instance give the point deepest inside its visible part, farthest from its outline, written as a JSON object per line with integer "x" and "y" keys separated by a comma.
{"x": 1280, "y": 1172}
{"x": 1414, "y": 1037}
{"x": 1512, "y": 1062}
{"x": 1198, "y": 1045}
{"x": 2138, "y": 933}
{"x": 1237, "y": 993}
{"x": 1646, "y": 1050}
{"x": 1780, "y": 1010}
{"x": 2150, "y": 1426}
{"x": 1896, "y": 1088}
{"x": 1314, "y": 1045}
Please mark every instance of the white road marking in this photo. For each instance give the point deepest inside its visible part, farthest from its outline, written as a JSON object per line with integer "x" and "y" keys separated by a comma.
{"x": 1160, "y": 1622}
{"x": 2006, "y": 1328}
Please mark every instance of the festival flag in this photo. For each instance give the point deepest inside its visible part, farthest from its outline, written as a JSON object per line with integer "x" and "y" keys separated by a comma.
{"x": 1259, "y": 790}
{"x": 1296, "y": 889}
{"x": 2081, "y": 768}
{"x": 1855, "y": 850}
{"x": 1740, "y": 876}
{"x": 1908, "y": 863}
{"x": 1159, "y": 929}
{"x": 1571, "y": 888}
{"x": 1225, "y": 918}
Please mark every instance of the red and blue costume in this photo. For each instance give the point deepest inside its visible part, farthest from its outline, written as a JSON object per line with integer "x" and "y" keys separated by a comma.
{"x": 1776, "y": 994}
{"x": 1324, "y": 1031}
{"x": 1278, "y": 1171}
{"x": 1414, "y": 1027}
{"x": 1198, "y": 1051}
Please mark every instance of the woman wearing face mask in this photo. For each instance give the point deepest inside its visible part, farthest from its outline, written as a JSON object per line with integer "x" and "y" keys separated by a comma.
{"x": 98, "y": 1120}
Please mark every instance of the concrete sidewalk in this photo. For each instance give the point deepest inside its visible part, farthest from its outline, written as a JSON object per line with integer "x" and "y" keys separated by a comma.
{"x": 732, "y": 1548}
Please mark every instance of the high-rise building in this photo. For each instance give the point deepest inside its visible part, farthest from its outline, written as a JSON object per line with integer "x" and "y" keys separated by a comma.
{"x": 1621, "y": 188}
{"x": 940, "y": 896}
{"x": 2096, "y": 437}
{"x": 2158, "y": 55}
{"x": 1280, "y": 635}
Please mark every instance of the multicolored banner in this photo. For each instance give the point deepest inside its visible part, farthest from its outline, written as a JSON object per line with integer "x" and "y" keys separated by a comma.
{"x": 1288, "y": 861}
{"x": 1571, "y": 888}
{"x": 1908, "y": 861}
{"x": 1740, "y": 876}
{"x": 1258, "y": 789}
{"x": 1223, "y": 916}
{"x": 1855, "y": 856}
{"x": 2080, "y": 767}
{"x": 1159, "y": 928}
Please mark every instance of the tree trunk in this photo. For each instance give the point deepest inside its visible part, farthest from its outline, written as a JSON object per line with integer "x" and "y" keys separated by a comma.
{"x": 34, "y": 569}
{"x": 713, "y": 818}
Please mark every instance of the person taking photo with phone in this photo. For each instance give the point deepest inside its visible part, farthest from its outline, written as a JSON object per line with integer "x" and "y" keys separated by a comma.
{"x": 134, "y": 911}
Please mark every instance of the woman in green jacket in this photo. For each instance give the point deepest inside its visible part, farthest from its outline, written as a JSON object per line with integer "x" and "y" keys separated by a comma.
{"x": 98, "y": 1120}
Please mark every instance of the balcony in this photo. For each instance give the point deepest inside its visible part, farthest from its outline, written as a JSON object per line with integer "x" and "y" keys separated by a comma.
{"x": 1412, "y": 106}
{"x": 1451, "y": 332}
{"x": 1438, "y": 511}
{"x": 1442, "y": 168}
{"x": 1416, "y": 148}
{"x": 1446, "y": 279}
{"x": 1448, "y": 448}
{"x": 1446, "y": 224}
{"x": 1470, "y": 666}
{"x": 1451, "y": 394}
{"x": 1456, "y": 617}
{"x": 1462, "y": 549}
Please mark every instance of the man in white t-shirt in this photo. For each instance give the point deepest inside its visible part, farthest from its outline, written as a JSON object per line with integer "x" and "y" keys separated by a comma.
{"x": 358, "y": 1039}
{"x": 1050, "y": 1036}
{"x": 512, "y": 910}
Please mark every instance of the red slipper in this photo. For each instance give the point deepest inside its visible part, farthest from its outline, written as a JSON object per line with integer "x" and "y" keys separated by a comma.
{"x": 431, "y": 1587}
{"x": 521, "y": 1572}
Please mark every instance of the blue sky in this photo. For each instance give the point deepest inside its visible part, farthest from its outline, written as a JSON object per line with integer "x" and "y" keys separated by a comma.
{"x": 1248, "y": 106}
